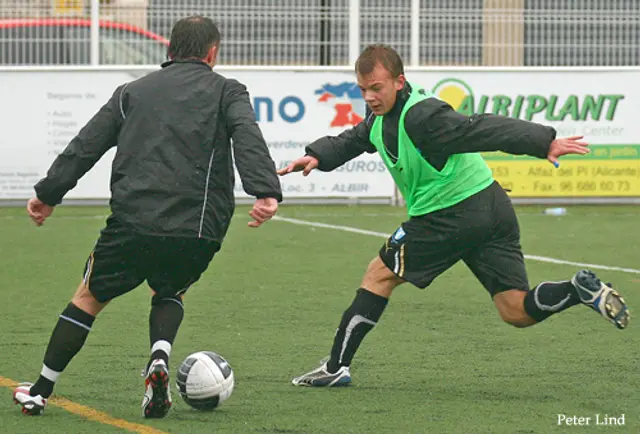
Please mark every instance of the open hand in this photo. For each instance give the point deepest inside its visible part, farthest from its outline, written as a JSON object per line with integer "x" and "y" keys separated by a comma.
{"x": 566, "y": 146}
{"x": 306, "y": 164}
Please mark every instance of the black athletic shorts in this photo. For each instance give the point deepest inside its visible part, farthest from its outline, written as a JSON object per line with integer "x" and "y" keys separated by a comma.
{"x": 123, "y": 259}
{"x": 482, "y": 231}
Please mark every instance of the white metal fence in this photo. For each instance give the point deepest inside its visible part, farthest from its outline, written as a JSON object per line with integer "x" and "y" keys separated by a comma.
{"x": 328, "y": 32}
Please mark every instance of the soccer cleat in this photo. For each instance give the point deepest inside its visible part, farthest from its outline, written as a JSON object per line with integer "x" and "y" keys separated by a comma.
{"x": 31, "y": 405}
{"x": 602, "y": 298}
{"x": 157, "y": 396}
{"x": 320, "y": 377}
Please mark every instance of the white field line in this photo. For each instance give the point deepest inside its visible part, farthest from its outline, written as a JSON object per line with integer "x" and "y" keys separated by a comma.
{"x": 377, "y": 234}
{"x": 383, "y": 235}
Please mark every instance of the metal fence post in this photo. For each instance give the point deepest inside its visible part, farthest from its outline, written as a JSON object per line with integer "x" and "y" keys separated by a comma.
{"x": 354, "y": 31}
{"x": 415, "y": 32}
{"x": 95, "y": 32}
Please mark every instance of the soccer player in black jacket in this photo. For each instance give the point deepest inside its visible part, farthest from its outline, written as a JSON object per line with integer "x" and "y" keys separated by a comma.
{"x": 171, "y": 198}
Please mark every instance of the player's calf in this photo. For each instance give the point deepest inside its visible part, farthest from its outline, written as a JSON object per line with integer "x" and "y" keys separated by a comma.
{"x": 510, "y": 305}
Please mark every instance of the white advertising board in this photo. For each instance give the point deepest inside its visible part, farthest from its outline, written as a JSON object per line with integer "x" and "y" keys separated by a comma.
{"x": 601, "y": 105}
{"x": 43, "y": 110}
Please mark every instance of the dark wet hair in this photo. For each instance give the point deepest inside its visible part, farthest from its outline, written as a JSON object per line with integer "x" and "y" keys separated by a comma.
{"x": 193, "y": 37}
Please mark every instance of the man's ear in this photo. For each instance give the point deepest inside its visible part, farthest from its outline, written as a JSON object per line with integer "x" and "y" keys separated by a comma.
{"x": 400, "y": 82}
{"x": 212, "y": 55}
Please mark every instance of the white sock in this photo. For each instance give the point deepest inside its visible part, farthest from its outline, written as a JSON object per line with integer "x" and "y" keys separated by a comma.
{"x": 164, "y": 346}
{"x": 49, "y": 373}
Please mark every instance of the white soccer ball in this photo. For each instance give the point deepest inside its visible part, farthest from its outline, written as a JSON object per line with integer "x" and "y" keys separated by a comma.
{"x": 205, "y": 380}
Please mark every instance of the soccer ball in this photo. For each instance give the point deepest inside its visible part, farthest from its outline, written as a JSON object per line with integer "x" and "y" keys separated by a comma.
{"x": 205, "y": 380}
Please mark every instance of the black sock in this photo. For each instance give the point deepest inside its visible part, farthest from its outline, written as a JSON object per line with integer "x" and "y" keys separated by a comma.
{"x": 66, "y": 340}
{"x": 548, "y": 298}
{"x": 357, "y": 321}
{"x": 164, "y": 321}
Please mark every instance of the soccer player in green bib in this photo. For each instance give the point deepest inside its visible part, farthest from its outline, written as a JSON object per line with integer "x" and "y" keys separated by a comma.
{"x": 457, "y": 211}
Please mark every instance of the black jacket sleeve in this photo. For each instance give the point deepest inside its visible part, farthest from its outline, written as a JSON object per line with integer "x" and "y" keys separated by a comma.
{"x": 255, "y": 166}
{"x": 436, "y": 129}
{"x": 333, "y": 151}
{"x": 83, "y": 152}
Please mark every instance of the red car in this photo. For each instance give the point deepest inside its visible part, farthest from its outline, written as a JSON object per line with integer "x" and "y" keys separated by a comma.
{"x": 67, "y": 41}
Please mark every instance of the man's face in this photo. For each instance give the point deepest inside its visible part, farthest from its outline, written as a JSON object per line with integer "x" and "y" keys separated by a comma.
{"x": 379, "y": 89}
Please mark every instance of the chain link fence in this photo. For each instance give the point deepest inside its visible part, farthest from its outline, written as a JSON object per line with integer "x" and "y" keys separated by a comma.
{"x": 324, "y": 32}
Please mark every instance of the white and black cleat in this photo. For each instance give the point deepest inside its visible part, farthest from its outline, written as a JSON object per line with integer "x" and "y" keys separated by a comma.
{"x": 31, "y": 405}
{"x": 157, "y": 396}
{"x": 321, "y": 377}
{"x": 602, "y": 298}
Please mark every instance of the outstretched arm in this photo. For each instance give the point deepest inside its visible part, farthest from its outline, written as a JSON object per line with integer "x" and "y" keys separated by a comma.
{"x": 82, "y": 153}
{"x": 330, "y": 152}
{"x": 437, "y": 129}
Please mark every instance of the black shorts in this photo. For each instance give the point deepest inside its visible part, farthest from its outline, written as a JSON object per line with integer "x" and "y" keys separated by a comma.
{"x": 482, "y": 231}
{"x": 123, "y": 259}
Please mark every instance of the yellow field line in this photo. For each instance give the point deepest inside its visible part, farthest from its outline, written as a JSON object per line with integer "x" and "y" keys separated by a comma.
{"x": 90, "y": 413}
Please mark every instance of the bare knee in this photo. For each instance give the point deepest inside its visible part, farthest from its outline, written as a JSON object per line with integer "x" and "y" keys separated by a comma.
{"x": 84, "y": 300}
{"x": 379, "y": 279}
{"x": 510, "y": 305}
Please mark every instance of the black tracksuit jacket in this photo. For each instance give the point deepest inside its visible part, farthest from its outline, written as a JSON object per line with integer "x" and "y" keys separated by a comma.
{"x": 172, "y": 174}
